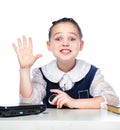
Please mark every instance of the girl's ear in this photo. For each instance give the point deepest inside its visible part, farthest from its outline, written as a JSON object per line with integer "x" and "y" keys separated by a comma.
{"x": 48, "y": 45}
{"x": 81, "y": 45}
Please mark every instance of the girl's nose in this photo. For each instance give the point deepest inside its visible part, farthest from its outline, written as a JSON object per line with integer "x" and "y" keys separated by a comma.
{"x": 65, "y": 43}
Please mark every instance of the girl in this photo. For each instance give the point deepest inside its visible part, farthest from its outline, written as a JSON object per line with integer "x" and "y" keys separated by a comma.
{"x": 66, "y": 82}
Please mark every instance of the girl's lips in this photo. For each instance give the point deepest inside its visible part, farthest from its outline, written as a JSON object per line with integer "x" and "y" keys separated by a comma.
{"x": 65, "y": 51}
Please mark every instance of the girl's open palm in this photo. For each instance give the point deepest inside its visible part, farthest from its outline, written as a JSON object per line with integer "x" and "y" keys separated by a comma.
{"x": 25, "y": 52}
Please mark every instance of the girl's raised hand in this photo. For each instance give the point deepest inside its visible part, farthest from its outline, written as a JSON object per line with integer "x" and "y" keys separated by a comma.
{"x": 24, "y": 52}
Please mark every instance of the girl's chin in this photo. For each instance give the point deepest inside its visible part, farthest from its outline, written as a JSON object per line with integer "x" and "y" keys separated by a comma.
{"x": 66, "y": 60}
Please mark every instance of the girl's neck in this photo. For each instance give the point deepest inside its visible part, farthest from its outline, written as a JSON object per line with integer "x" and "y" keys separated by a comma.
{"x": 66, "y": 66}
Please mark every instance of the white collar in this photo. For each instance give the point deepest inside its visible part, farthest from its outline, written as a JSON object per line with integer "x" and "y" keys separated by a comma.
{"x": 54, "y": 74}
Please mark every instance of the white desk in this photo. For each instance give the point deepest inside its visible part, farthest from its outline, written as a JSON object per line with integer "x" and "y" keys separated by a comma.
{"x": 67, "y": 119}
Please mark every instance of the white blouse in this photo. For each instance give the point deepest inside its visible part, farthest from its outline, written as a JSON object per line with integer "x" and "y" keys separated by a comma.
{"x": 99, "y": 87}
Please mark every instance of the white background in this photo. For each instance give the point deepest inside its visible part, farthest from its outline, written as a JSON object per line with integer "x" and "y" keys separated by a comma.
{"x": 98, "y": 19}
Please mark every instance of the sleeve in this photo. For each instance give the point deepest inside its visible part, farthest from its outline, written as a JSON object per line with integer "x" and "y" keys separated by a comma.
{"x": 100, "y": 87}
{"x": 39, "y": 88}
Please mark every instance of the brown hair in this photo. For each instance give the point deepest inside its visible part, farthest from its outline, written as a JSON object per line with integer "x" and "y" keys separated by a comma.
{"x": 71, "y": 20}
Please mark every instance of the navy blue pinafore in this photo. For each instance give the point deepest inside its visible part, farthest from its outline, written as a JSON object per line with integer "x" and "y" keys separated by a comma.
{"x": 79, "y": 90}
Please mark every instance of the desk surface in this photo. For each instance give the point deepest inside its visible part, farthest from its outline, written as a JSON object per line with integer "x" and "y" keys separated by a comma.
{"x": 61, "y": 119}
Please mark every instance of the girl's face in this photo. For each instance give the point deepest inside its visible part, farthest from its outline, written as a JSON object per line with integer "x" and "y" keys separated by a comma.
{"x": 65, "y": 42}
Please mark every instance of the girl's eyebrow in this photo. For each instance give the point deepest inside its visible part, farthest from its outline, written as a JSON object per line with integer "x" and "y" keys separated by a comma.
{"x": 68, "y": 32}
{"x": 57, "y": 33}
{"x": 76, "y": 34}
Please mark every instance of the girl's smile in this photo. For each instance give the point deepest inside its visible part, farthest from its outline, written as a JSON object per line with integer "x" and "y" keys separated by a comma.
{"x": 65, "y": 51}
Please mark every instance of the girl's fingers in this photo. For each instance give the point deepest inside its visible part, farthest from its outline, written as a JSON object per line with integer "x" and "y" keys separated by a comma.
{"x": 60, "y": 102}
{"x": 57, "y": 98}
{"x": 30, "y": 44}
{"x": 56, "y": 91}
{"x": 24, "y": 42}
{"x": 37, "y": 57}
{"x": 19, "y": 44}
{"x": 15, "y": 48}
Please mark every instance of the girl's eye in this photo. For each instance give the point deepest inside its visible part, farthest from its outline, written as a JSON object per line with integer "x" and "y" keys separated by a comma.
{"x": 58, "y": 39}
{"x": 72, "y": 39}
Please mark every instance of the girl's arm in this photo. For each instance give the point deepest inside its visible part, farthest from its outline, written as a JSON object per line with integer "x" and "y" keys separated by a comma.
{"x": 26, "y": 60}
{"x": 63, "y": 99}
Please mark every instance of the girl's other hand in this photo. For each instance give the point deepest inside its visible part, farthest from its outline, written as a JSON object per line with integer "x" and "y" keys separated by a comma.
{"x": 62, "y": 99}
